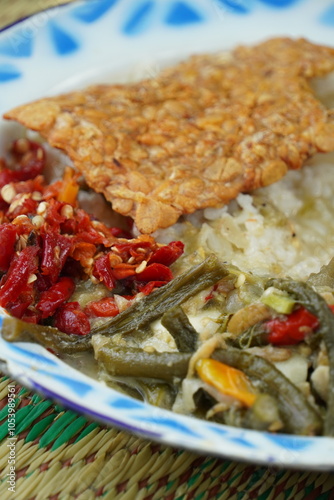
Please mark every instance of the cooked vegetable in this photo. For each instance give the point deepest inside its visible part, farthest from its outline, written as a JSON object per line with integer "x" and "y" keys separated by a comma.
{"x": 247, "y": 317}
{"x": 263, "y": 415}
{"x": 156, "y": 393}
{"x": 315, "y": 304}
{"x": 15, "y": 330}
{"x": 133, "y": 362}
{"x": 227, "y": 380}
{"x": 292, "y": 329}
{"x": 281, "y": 303}
{"x": 172, "y": 294}
{"x": 177, "y": 323}
{"x": 296, "y": 412}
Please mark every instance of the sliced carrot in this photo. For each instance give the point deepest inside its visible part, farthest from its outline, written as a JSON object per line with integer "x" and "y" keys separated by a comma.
{"x": 227, "y": 380}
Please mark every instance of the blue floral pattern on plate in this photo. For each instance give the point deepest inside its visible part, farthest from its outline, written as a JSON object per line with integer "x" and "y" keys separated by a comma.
{"x": 90, "y": 41}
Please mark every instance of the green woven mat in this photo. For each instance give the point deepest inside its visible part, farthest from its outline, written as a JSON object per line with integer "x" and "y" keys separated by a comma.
{"x": 60, "y": 455}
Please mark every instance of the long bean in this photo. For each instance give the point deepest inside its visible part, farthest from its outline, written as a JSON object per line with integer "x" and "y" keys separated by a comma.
{"x": 313, "y": 302}
{"x": 15, "y": 330}
{"x": 134, "y": 362}
{"x": 174, "y": 293}
{"x": 298, "y": 415}
{"x": 177, "y": 323}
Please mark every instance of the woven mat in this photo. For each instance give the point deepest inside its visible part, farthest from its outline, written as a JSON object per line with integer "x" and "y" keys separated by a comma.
{"x": 61, "y": 455}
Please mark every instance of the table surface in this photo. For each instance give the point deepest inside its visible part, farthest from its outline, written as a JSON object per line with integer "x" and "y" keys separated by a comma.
{"x": 61, "y": 455}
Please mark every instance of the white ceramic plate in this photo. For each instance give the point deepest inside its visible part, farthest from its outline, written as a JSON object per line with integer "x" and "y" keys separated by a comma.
{"x": 109, "y": 40}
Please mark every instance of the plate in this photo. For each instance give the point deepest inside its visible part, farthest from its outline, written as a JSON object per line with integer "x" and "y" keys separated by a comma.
{"x": 108, "y": 40}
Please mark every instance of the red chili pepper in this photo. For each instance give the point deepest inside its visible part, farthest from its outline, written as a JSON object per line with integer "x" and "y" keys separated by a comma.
{"x": 103, "y": 308}
{"x": 103, "y": 272}
{"x": 155, "y": 272}
{"x": 7, "y": 245}
{"x": 31, "y": 158}
{"x": 293, "y": 329}
{"x": 69, "y": 318}
{"x": 27, "y": 207}
{"x": 16, "y": 279}
{"x": 56, "y": 248}
{"x": 122, "y": 271}
{"x": 168, "y": 253}
{"x": 51, "y": 299}
{"x": 148, "y": 287}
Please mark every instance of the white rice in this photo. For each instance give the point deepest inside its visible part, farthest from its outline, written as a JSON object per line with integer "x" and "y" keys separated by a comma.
{"x": 295, "y": 239}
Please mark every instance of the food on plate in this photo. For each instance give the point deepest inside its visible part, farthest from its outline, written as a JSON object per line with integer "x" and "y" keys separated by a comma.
{"x": 50, "y": 248}
{"x": 227, "y": 314}
{"x": 198, "y": 134}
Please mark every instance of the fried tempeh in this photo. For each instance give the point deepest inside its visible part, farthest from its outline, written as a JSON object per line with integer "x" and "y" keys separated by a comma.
{"x": 197, "y": 135}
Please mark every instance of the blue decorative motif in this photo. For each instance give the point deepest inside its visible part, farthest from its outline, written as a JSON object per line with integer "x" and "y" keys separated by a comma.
{"x": 63, "y": 42}
{"x": 279, "y": 3}
{"x": 91, "y": 11}
{"x": 235, "y": 6}
{"x": 8, "y": 72}
{"x": 327, "y": 16}
{"x": 139, "y": 18}
{"x": 19, "y": 44}
{"x": 34, "y": 357}
{"x": 290, "y": 442}
{"x": 126, "y": 404}
{"x": 169, "y": 423}
{"x": 183, "y": 13}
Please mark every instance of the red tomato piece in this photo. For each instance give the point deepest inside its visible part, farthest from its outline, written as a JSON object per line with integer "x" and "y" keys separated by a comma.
{"x": 293, "y": 329}
{"x": 55, "y": 296}
{"x": 103, "y": 308}
{"x": 69, "y": 318}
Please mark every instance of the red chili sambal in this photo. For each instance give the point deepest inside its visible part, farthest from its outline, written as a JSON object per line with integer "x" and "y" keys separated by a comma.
{"x": 49, "y": 245}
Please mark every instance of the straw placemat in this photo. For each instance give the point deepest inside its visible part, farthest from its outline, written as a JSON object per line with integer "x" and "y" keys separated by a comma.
{"x": 60, "y": 455}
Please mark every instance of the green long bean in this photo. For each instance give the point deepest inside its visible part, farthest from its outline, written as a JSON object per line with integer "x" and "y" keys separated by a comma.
{"x": 174, "y": 293}
{"x": 177, "y": 323}
{"x": 15, "y": 330}
{"x": 134, "y": 362}
{"x": 296, "y": 412}
{"x": 313, "y": 302}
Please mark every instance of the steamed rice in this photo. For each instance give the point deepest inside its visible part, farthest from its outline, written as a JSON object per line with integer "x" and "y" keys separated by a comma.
{"x": 284, "y": 229}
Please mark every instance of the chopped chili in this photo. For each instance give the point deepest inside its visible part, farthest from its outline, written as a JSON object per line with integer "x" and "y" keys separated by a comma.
{"x": 8, "y": 235}
{"x": 49, "y": 244}
{"x": 103, "y": 308}
{"x": 70, "y": 318}
{"x": 55, "y": 296}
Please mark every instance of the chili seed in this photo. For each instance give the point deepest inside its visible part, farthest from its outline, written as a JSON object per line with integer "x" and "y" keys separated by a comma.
{"x": 38, "y": 220}
{"x": 41, "y": 209}
{"x": 8, "y": 193}
{"x": 67, "y": 211}
{"x": 141, "y": 267}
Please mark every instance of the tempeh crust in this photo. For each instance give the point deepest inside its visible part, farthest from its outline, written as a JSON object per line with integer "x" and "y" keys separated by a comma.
{"x": 197, "y": 135}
